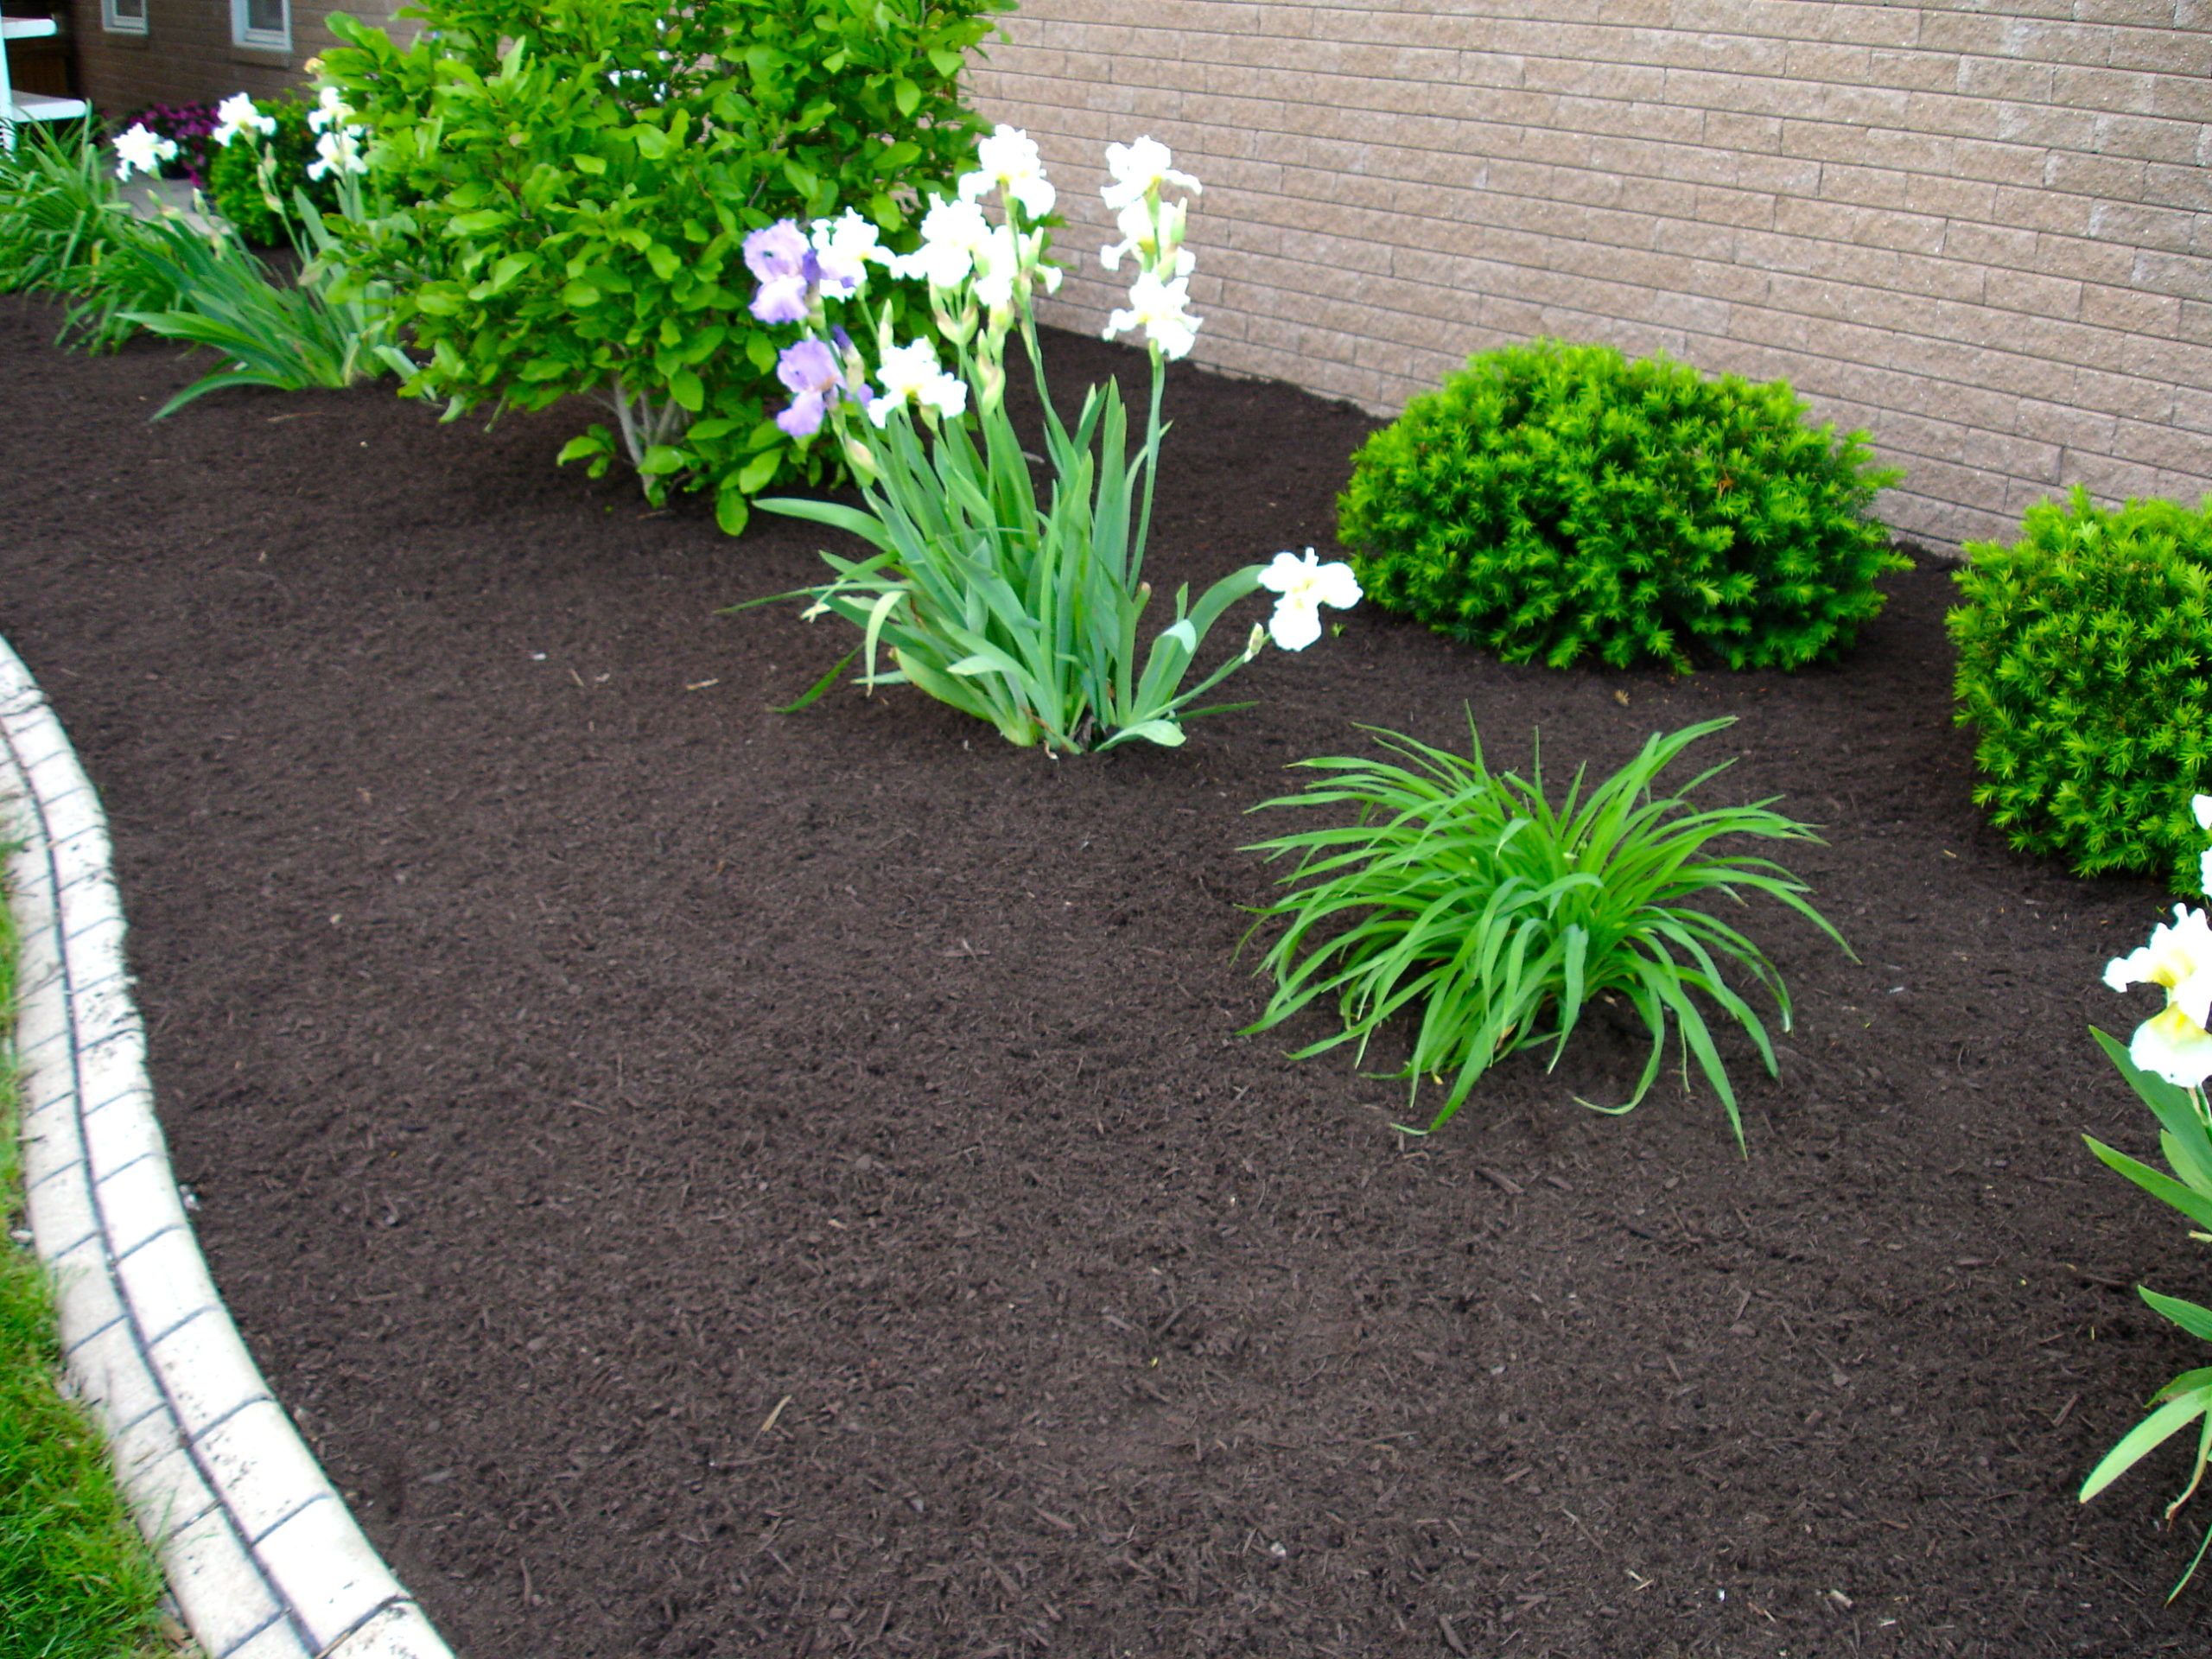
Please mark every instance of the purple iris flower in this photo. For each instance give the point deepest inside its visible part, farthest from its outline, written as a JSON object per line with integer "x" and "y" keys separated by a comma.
{"x": 817, "y": 377}
{"x": 778, "y": 256}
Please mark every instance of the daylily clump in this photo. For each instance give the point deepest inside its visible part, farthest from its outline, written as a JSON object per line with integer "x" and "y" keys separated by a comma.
{"x": 1021, "y": 612}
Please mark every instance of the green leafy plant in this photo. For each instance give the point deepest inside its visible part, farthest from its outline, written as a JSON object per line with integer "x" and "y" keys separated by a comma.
{"x": 1467, "y": 900}
{"x": 326, "y": 330}
{"x": 576, "y": 179}
{"x": 2085, "y": 669}
{"x": 2166, "y": 1063}
{"x": 65, "y": 231}
{"x": 1552, "y": 501}
{"x": 253, "y": 185}
{"x": 286, "y": 337}
{"x": 1020, "y": 612}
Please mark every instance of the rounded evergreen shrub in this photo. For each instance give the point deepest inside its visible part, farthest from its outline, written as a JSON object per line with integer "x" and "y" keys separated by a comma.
{"x": 1552, "y": 501}
{"x": 234, "y": 184}
{"x": 2085, "y": 668}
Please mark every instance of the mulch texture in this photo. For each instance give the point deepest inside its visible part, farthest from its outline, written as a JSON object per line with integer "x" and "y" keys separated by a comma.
{"x": 711, "y": 1182}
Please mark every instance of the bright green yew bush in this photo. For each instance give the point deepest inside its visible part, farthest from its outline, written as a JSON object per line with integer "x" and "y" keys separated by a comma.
{"x": 1550, "y": 501}
{"x": 235, "y": 187}
{"x": 2083, "y": 653}
{"x": 576, "y": 180}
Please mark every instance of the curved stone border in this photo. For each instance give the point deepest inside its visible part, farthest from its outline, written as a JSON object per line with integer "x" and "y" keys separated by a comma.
{"x": 262, "y": 1555}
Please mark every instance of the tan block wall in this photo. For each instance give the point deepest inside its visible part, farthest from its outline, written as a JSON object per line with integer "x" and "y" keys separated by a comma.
{"x": 1981, "y": 232}
{"x": 185, "y": 55}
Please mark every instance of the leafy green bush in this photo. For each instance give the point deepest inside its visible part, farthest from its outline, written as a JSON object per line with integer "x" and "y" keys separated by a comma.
{"x": 577, "y": 179}
{"x": 1552, "y": 501}
{"x": 1467, "y": 898}
{"x": 236, "y": 190}
{"x": 2083, "y": 652}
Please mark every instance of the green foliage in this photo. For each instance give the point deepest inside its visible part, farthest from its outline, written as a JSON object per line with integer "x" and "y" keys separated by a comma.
{"x": 76, "y": 1581}
{"x": 1551, "y": 501}
{"x": 252, "y": 182}
{"x": 2185, "y": 1141}
{"x": 1021, "y": 612}
{"x": 1467, "y": 898}
{"x": 1023, "y": 615}
{"x": 577, "y": 179}
{"x": 281, "y": 336}
{"x": 2082, "y": 653}
{"x": 64, "y": 232}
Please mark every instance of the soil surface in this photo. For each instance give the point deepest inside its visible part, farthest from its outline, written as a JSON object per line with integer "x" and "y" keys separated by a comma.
{"x": 711, "y": 1182}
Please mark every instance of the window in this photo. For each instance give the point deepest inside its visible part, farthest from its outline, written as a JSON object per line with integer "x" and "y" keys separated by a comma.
{"x": 123, "y": 16}
{"x": 260, "y": 23}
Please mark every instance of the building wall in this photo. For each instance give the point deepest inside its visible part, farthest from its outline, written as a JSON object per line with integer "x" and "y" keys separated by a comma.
{"x": 187, "y": 54}
{"x": 1981, "y": 230}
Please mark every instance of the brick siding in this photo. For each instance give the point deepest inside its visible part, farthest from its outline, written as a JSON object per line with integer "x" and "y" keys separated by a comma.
{"x": 1980, "y": 231}
{"x": 187, "y": 54}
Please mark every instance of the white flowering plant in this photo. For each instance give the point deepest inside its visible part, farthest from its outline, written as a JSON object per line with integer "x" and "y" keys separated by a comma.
{"x": 2167, "y": 1063}
{"x": 1023, "y": 610}
{"x": 325, "y": 329}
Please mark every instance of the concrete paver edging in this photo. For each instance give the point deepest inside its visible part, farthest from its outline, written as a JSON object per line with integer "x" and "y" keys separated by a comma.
{"x": 261, "y": 1554}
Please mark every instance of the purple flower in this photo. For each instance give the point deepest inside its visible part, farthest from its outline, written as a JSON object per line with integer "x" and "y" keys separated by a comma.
{"x": 816, "y": 378}
{"x": 780, "y": 260}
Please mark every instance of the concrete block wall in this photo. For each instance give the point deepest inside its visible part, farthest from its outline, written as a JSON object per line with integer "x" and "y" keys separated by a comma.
{"x": 186, "y": 54}
{"x": 1982, "y": 231}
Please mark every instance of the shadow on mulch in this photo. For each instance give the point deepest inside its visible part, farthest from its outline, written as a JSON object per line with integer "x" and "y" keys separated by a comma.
{"x": 714, "y": 1182}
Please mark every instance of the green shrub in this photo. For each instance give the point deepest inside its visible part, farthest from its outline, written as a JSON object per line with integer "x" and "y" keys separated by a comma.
{"x": 2083, "y": 652}
{"x": 1553, "y": 500}
{"x": 237, "y": 192}
{"x": 1466, "y": 898}
{"x": 576, "y": 180}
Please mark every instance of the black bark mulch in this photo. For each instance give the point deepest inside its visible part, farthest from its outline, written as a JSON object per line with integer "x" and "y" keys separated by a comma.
{"x": 713, "y": 1182}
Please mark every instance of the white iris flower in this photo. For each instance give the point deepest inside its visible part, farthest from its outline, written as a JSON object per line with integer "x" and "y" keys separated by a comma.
{"x": 1153, "y": 242}
{"x": 1160, "y": 309}
{"x": 910, "y": 373}
{"x": 2173, "y": 1042}
{"x": 952, "y": 233}
{"x": 143, "y": 150}
{"x": 1141, "y": 170}
{"x": 843, "y": 249}
{"x": 1305, "y": 585}
{"x": 1007, "y": 160}
{"x": 237, "y": 113}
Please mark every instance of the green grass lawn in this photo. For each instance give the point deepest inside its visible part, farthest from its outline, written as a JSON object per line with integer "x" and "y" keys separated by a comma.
{"x": 76, "y": 1581}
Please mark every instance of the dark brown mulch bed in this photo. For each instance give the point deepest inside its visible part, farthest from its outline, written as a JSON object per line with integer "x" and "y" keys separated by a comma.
{"x": 716, "y": 1182}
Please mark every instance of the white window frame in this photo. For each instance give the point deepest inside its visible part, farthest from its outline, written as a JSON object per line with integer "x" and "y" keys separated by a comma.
{"x": 117, "y": 21}
{"x": 266, "y": 40}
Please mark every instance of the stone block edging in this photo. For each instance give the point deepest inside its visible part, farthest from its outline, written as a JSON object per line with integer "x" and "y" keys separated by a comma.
{"x": 261, "y": 1554}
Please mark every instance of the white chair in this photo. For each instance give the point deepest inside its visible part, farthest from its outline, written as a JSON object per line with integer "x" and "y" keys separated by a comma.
{"x": 29, "y": 107}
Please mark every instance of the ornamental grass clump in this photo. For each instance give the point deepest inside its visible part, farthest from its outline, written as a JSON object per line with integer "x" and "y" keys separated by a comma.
{"x": 1020, "y": 609}
{"x": 1492, "y": 918}
{"x": 2085, "y": 669}
{"x": 1552, "y": 502}
{"x": 2166, "y": 1063}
